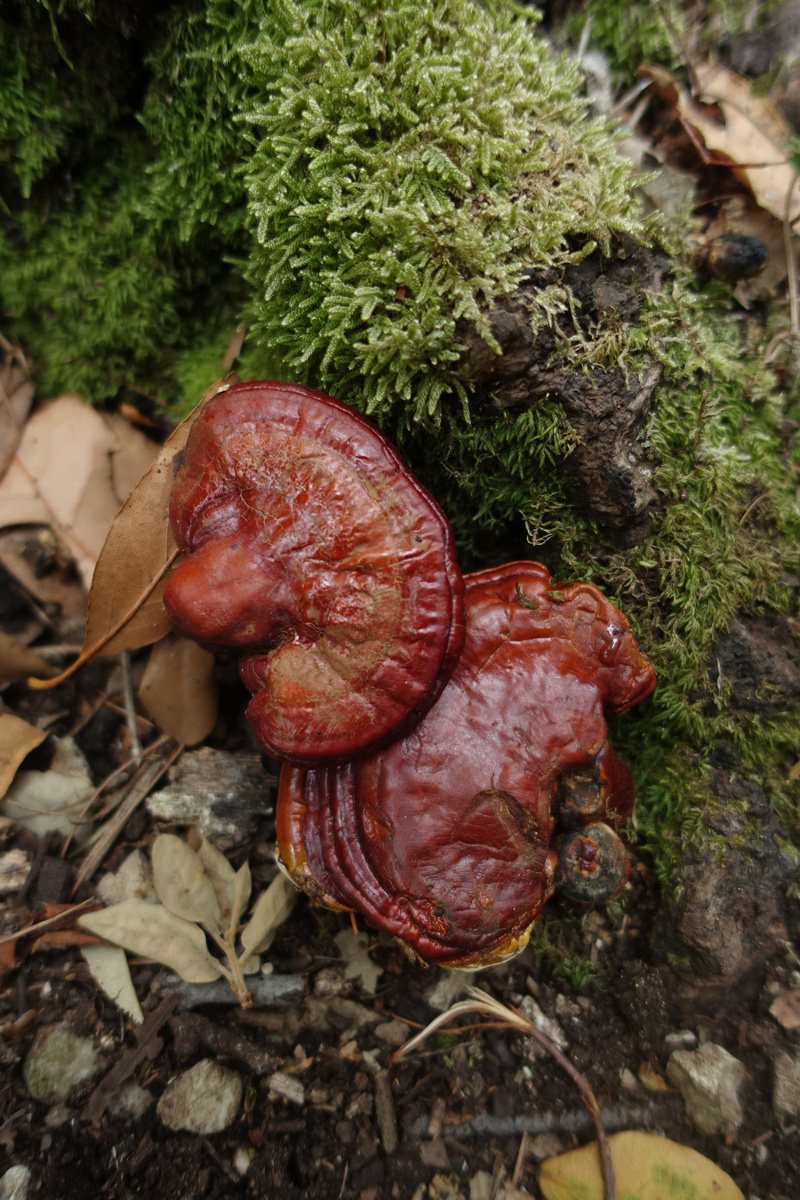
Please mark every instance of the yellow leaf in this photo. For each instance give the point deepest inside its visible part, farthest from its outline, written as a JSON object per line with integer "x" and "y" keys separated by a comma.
{"x": 646, "y": 1167}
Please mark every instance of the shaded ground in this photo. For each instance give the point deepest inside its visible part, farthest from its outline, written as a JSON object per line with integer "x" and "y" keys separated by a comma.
{"x": 462, "y": 1103}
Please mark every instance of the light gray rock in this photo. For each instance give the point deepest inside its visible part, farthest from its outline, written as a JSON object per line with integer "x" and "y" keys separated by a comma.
{"x": 132, "y": 1100}
{"x": 786, "y": 1086}
{"x": 14, "y": 1183}
{"x": 289, "y": 1087}
{"x": 710, "y": 1081}
{"x": 57, "y": 1062}
{"x": 205, "y": 1099}
{"x": 225, "y": 794}
{"x": 682, "y": 1039}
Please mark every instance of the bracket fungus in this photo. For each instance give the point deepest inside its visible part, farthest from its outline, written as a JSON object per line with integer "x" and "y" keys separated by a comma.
{"x": 313, "y": 549}
{"x": 446, "y": 837}
{"x": 447, "y": 762}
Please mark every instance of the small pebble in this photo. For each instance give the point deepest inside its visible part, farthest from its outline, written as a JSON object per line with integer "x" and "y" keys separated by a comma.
{"x": 683, "y": 1039}
{"x": 15, "y": 1182}
{"x": 289, "y": 1087}
{"x": 204, "y": 1099}
{"x": 241, "y": 1160}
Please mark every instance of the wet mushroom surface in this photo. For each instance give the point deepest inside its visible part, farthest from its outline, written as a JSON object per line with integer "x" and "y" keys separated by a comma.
{"x": 453, "y": 837}
{"x": 446, "y": 753}
{"x": 312, "y": 549}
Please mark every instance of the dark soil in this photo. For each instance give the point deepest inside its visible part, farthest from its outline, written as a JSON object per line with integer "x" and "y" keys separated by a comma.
{"x": 332, "y": 1146}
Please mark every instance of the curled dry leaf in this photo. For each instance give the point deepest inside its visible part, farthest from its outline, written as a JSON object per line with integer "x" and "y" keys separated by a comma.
{"x": 182, "y": 884}
{"x": 59, "y": 588}
{"x": 154, "y": 932}
{"x": 18, "y": 661}
{"x": 17, "y": 739}
{"x": 179, "y": 689}
{"x": 125, "y": 601}
{"x": 752, "y": 134}
{"x": 644, "y": 1165}
{"x": 16, "y": 394}
{"x": 271, "y": 910}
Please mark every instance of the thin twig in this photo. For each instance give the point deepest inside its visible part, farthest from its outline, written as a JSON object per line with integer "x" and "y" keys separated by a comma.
{"x": 481, "y": 1002}
{"x": 101, "y": 787}
{"x": 139, "y": 787}
{"x": 791, "y": 262}
{"x": 520, "y": 1163}
{"x": 63, "y": 918}
{"x": 131, "y": 717}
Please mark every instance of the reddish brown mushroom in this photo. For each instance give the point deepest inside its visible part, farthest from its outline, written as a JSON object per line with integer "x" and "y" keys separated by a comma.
{"x": 315, "y": 551}
{"x": 445, "y": 837}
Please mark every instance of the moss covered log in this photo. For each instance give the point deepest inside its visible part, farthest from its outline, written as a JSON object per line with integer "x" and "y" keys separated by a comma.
{"x": 410, "y": 207}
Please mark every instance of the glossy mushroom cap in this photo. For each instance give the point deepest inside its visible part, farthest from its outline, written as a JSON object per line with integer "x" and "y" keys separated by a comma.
{"x": 444, "y": 837}
{"x": 313, "y": 549}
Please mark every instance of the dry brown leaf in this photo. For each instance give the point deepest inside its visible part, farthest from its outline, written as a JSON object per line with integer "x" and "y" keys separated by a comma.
{"x": 18, "y": 661}
{"x": 16, "y": 394}
{"x": 645, "y": 1165}
{"x": 133, "y": 457}
{"x": 753, "y": 133}
{"x": 179, "y": 689}
{"x": 61, "y": 476}
{"x": 125, "y": 602}
{"x": 17, "y": 738}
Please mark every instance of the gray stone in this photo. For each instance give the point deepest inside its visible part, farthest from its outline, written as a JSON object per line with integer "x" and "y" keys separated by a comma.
{"x": 205, "y": 1099}
{"x": 15, "y": 1182}
{"x": 57, "y": 1062}
{"x": 434, "y": 1154}
{"x": 225, "y": 794}
{"x": 58, "y": 1115}
{"x": 289, "y": 1087}
{"x": 132, "y": 1100}
{"x": 682, "y": 1039}
{"x": 786, "y": 1086}
{"x": 710, "y": 1081}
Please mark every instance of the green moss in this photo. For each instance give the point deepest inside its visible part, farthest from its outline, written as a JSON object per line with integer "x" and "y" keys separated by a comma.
{"x": 405, "y": 175}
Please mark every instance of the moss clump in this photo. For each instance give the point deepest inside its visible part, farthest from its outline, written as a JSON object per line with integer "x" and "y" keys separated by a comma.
{"x": 414, "y": 160}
